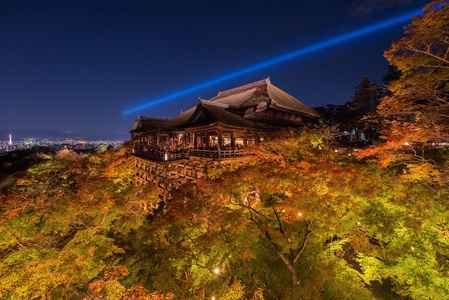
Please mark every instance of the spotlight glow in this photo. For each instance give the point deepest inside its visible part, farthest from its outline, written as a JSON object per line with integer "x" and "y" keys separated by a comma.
{"x": 280, "y": 59}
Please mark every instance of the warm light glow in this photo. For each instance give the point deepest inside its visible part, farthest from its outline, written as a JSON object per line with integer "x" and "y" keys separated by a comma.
{"x": 413, "y": 248}
{"x": 217, "y": 270}
{"x": 311, "y": 49}
{"x": 213, "y": 298}
{"x": 300, "y": 214}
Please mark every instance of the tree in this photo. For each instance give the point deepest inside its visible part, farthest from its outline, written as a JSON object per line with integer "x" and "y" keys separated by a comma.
{"x": 409, "y": 222}
{"x": 393, "y": 74}
{"x": 416, "y": 113}
{"x": 363, "y": 107}
{"x": 275, "y": 226}
{"x": 358, "y": 114}
{"x": 301, "y": 221}
{"x": 64, "y": 220}
{"x": 420, "y": 101}
{"x": 366, "y": 97}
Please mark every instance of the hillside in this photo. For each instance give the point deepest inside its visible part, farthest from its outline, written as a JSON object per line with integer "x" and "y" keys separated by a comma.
{"x": 302, "y": 221}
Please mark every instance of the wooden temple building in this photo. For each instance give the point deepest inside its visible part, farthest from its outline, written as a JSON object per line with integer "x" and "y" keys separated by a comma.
{"x": 170, "y": 152}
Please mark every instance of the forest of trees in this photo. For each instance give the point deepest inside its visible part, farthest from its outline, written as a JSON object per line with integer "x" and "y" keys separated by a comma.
{"x": 302, "y": 221}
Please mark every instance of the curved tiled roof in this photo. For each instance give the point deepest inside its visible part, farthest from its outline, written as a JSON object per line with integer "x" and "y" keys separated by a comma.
{"x": 229, "y": 107}
{"x": 244, "y": 96}
{"x": 208, "y": 112}
{"x": 148, "y": 124}
{"x": 285, "y": 100}
{"x": 260, "y": 92}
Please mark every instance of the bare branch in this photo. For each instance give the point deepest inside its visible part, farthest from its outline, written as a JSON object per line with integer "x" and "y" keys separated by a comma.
{"x": 411, "y": 48}
{"x": 308, "y": 233}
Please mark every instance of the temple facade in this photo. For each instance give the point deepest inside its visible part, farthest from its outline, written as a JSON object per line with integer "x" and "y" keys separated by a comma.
{"x": 169, "y": 152}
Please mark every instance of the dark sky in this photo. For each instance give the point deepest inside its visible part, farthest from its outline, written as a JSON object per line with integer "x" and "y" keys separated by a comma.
{"x": 76, "y": 66}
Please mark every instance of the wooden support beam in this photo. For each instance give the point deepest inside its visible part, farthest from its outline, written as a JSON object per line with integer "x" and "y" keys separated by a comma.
{"x": 220, "y": 140}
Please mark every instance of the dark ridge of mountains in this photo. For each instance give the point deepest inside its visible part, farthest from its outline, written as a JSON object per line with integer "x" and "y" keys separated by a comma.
{"x": 54, "y": 134}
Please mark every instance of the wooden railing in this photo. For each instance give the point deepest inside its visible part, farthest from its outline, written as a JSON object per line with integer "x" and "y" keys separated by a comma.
{"x": 170, "y": 156}
{"x": 161, "y": 156}
{"x": 215, "y": 153}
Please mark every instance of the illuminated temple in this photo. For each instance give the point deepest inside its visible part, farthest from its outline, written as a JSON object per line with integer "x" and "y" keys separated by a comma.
{"x": 170, "y": 152}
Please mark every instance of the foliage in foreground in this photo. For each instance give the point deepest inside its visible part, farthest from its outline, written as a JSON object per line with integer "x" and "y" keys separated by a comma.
{"x": 300, "y": 222}
{"x": 64, "y": 220}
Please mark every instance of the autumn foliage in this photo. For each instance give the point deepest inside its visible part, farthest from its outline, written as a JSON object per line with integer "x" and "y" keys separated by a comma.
{"x": 415, "y": 113}
{"x": 299, "y": 221}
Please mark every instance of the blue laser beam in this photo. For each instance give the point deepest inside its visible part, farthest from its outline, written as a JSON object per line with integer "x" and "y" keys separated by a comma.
{"x": 280, "y": 59}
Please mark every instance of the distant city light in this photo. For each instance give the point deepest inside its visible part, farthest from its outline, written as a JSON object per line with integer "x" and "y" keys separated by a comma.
{"x": 280, "y": 59}
{"x": 53, "y": 144}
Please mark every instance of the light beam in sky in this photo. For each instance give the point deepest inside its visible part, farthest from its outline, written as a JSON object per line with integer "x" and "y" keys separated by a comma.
{"x": 280, "y": 59}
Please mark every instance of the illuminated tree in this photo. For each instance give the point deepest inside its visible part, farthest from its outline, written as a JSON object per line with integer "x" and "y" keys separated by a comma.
{"x": 409, "y": 222}
{"x": 416, "y": 112}
{"x": 63, "y": 221}
{"x": 275, "y": 226}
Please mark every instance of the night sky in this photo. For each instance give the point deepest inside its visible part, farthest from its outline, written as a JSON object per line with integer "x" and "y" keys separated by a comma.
{"x": 76, "y": 66}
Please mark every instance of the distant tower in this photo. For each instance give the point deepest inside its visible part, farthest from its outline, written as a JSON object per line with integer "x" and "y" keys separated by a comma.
{"x": 10, "y": 139}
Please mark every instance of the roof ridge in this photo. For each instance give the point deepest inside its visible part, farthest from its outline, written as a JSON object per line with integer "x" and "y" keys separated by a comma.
{"x": 244, "y": 87}
{"x": 154, "y": 119}
{"x": 212, "y": 103}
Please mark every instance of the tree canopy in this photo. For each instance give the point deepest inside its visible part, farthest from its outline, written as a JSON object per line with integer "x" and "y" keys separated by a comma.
{"x": 301, "y": 221}
{"x": 415, "y": 112}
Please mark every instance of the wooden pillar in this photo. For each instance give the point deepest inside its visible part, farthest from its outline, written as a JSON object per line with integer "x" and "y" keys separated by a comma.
{"x": 165, "y": 185}
{"x": 220, "y": 140}
{"x": 157, "y": 138}
{"x": 232, "y": 139}
{"x": 184, "y": 136}
{"x": 195, "y": 142}
{"x": 245, "y": 139}
{"x": 207, "y": 139}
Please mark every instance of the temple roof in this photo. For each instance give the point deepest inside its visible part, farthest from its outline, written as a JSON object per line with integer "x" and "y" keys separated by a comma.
{"x": 208, "y": 112}
{"x": 148, "y": 124}
{"x": 229, "y": 108}
{"x": 262, "y": 93}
